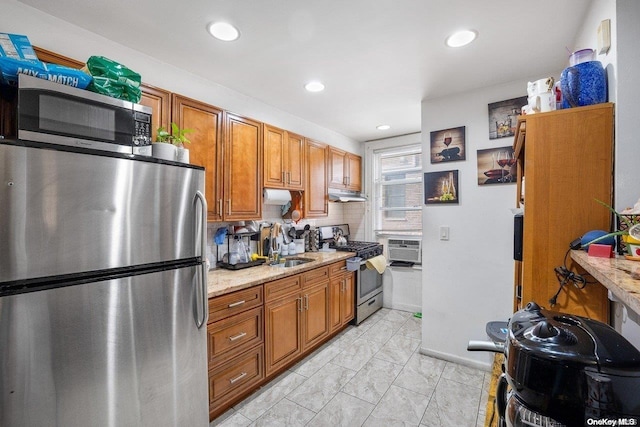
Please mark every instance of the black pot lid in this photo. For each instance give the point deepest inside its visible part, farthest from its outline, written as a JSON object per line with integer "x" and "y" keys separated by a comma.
{"x": 558, "y": 336}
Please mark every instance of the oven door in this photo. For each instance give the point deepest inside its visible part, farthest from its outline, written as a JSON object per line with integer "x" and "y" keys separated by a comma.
{"x": 368, "y": 283}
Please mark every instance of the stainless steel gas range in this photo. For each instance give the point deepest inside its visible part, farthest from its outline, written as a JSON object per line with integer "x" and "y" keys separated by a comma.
{"x": 368, "y": 281}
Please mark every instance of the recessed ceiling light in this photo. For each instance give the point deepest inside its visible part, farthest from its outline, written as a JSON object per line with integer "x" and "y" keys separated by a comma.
{"x": 314, "y": 87}
{"x": 383, "y": 127}
{"x": 223, "y": 31}
{"x": 461, "y": 38}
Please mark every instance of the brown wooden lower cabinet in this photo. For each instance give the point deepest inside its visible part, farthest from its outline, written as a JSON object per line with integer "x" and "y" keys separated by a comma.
{"x": 282, "y": 331}
{"x": 249, "y": 341}
{"x": 341, "y": 289}
{"x": 234, "y": 378}
{"x": 315, "y": 315}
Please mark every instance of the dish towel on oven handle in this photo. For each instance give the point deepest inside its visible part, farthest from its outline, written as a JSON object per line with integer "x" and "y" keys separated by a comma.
{"x": 377, "y": 263}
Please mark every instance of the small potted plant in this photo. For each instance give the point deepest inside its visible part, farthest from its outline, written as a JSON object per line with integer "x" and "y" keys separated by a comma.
{"x": 170, "y": 145}
{"x": 629, "y": 230}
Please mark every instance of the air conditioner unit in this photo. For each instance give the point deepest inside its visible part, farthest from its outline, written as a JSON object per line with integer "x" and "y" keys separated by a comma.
{"x": 406, "y": 250}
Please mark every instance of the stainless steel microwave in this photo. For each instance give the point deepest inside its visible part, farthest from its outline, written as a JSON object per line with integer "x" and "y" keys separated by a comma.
{"x": 54, "y": 113}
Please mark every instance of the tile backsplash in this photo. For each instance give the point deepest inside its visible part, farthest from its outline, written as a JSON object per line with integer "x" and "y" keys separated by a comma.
{"x": 339, "y": 213}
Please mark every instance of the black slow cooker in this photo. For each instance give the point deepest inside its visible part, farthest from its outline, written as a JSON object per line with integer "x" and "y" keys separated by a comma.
{"x": 567, "y": 370}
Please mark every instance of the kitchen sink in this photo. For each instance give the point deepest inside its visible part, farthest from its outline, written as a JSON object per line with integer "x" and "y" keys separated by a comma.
{"x": 292, "y": 262}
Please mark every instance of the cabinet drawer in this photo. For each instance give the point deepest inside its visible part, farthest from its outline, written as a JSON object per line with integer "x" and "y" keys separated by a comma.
{"x": 231, "y": 336}
{"x": 227, "y": 305}
{"x": 314, "y": 276}
{"x": 338, "y": 268}
{"x": 236, "y": 376}
{"x": 281, "y": 287}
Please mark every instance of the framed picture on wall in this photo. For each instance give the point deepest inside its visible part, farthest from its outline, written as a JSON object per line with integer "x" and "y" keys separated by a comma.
{"x": 503, "y": 117}
{"x": 441, "y": 187}
{"x": 448, "y": 145}
{"x": 496, "y": 166}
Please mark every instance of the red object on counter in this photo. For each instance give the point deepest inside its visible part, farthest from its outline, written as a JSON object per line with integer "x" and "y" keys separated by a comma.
{"x": 598, "y": 250}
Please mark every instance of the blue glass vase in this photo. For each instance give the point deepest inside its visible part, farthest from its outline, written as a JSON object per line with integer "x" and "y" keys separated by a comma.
{"x": 584, "y": 84}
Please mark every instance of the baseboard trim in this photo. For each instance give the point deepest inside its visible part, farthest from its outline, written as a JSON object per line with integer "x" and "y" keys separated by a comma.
{"x": 456, "y": 359}
{"x": 405, "y": 307}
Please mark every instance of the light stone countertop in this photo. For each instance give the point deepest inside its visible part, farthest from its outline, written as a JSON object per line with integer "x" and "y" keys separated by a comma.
{"x": 221, "y": 281}
{"x": 615, "y": 275}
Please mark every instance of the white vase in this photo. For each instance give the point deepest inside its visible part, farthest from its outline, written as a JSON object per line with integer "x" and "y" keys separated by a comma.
{"x": 183, "y": 155}
{"x": 164, "y": 150}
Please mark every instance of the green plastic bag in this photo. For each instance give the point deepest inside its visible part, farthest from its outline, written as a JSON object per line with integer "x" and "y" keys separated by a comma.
{"x": 113, "y": 79}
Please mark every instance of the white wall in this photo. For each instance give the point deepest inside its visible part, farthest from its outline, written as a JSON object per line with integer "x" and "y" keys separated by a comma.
{"x": 621, "y": 62}
{"x": 627, "y": 152}
{"x": 467, "y": 280}
{"x": 58, "y": 36}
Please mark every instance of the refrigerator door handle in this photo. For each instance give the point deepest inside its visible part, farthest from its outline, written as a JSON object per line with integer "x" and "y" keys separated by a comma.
{"x": 202, "y": 241}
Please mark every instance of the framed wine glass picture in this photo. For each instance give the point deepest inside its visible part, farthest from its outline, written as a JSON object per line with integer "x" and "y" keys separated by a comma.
{"x": 441, "y": 187}
{"x": 448, "y": 145}
{"x": 496, "y": 166}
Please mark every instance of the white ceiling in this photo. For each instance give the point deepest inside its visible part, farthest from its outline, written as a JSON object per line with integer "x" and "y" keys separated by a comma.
{"x": 377, "y": 58}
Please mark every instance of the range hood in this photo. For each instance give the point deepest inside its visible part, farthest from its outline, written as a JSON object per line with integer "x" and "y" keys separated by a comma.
{"x": 345, "y": 196}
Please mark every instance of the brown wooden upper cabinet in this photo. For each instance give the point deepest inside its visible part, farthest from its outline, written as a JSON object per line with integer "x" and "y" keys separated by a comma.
{"x": 242, "y": 165}
{"x": 345, "y": 170}
{"x": 283, "y": 159}
{"x": 567, "y": 158}
{"x": 205, "y": 149}
{"x": 316, "y": 202}
{"x": 159, "y": 100}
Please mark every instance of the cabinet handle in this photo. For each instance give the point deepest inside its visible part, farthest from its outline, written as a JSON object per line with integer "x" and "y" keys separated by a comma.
{"x": 284, "y": 177}
{"x": 237, "y": 337}
{"x": 238, "y": 378}
{"x": 228, "y": 206}
{"x": 289, "y": 177}
{"x": 299, "y": 303}
{"x": 220, "y": 208}
{"x": 342, "y": 285}
{"x": 235, "y": 304}
{"x": 343, "y": 268}
{"x": 306, "y": 302}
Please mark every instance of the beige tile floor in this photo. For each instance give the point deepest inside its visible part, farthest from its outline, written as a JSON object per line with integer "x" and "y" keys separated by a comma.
{"x": 371, "y": 375}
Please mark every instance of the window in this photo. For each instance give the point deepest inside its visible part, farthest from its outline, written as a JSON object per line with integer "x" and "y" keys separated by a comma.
{"x": 397, "y": 179}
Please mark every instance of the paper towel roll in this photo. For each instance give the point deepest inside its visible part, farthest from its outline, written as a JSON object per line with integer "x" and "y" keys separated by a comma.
{"x": 276, "y": 197}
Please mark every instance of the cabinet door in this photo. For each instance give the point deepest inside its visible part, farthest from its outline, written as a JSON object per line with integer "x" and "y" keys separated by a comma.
{"x": 159, "y": 100}
{"x": 242, "y": 169}
{"x": 315, "y": 196}
{"x": 45, "y": 55}
{"x": 274, "y": 157}
{"x": 295, "y": 162}
{"x": 315, "y": 314}
{"x": 204, "y": 150}
{"x": 561, "y": 200}
{"x": 335, "y": 302}
{"x": 354, "y": 172}
{"x": 336, "y": 168}
{"x": 282, "y": 331}
{"x": 348, "y": 298}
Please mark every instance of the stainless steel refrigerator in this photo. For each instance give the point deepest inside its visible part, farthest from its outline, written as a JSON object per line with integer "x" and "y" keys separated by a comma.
{"x": 103, "y": 303}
